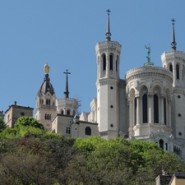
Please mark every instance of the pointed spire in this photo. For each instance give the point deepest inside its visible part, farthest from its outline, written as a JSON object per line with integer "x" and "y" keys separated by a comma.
{"x": 67, "y": 90}
{"x": 108, "y": 33}
{"x": 173, "y": 44}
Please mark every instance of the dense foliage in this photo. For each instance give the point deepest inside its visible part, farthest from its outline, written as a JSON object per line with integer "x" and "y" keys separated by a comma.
{"x": 32, "y": 156}
{"x": 2, "y": 125}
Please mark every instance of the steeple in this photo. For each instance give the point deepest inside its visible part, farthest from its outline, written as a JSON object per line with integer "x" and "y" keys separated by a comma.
{"x": 108, "y": 33}
{"x": 67, "y": 90}
{"x": 173, "y": 44}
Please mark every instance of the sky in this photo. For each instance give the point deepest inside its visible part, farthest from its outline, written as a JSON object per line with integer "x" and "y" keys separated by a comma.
{"x": 64, "y": 33}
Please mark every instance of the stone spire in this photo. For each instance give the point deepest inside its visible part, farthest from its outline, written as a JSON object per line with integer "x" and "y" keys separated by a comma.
{"x": 67, "y": 89}
{"x": 173, "y": 44}
{"x": 108, "y": 33}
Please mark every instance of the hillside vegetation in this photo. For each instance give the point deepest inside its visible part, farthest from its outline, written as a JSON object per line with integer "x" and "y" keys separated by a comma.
{"x": 31, "y": 156}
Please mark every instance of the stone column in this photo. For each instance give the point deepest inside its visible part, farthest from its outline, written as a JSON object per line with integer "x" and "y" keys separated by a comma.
{"x": 138, "y": 111}
{"x": 150, "y": 108}
{"x": 161, "y": 110}
{"x": 169, "y": 113}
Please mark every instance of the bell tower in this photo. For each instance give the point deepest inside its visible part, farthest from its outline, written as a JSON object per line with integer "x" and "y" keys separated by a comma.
{"x": 174, "y": 61}
{"x": 46, "y": 101}
{"x": 108, "y": 62}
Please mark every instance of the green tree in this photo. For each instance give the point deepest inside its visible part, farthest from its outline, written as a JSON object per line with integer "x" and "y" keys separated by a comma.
{"x": 2, "y": 125}
{"x": 28, "y": 121}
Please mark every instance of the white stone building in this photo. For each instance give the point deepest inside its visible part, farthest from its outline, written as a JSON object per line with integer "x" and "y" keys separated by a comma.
{"x": 148, "y": 104}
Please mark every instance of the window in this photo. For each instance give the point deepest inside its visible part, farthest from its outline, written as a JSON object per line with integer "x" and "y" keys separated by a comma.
{"x": 41, "y": 101}
{"x": 47, "y": 116}
{"x": 111, "y": 87}
{"x": 111, "y": 62}
{"x": 88, "y": 131}
{"x": 156, "y": 109}
{"x": 22, "y": 113}
{"x": 62, "y": 112}
{"x": 179, "y": 115}
{"x": 171, "y": 67}
{"x": 47, "y": 101}
{"x": 111, "y": 106}
{"x": 68, "y": 130}
{"x": 145, "y": 108}
{"x": 117, "y": 63}
{"x": 104, "y": 62}
{"x": 68, "y": 112}
{"x": 161, "y": 144}
{"x": 177, "y": 71}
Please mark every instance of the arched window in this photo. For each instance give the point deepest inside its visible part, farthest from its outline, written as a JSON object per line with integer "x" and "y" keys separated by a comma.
{"x": 145, "y": 108}
{"x": 68, "y": 112}
{"x": 177, "y": 71}
{"x": 88, "y": 131}
{"x": 171, "y": 67}
{"x": 104, "y": 62}
{"x": 135, "y": 110}
{"x": 62, "y": 112}
{"x": 165, "y": 111}
{"x": 41, "y": 101}
{"x": 156, "y": 109}
{"x": 161, "y": 144}
{"x": 47, "y": 101}
{"x": 111, "y": 62}
{"x": 117, "y": 63}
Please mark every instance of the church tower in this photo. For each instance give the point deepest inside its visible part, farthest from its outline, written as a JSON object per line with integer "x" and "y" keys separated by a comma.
{"x": 174, "y": 61}
{"x": 108, "y": 62}
{"x": 67, "y": 106}
{"x": 46, "y": 101}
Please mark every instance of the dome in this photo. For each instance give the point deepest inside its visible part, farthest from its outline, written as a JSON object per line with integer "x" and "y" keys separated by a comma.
{"x": 46, "y": 86}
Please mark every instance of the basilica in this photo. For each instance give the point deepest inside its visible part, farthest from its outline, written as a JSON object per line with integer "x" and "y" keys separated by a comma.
{"x": 148, "y": 104}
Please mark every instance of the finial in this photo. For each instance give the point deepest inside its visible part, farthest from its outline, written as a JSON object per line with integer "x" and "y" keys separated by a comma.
{"x": 46, "y": 69}
{"x": 108, "y": 33}
{"x": 148, "y": 62}
{"x": 173, "y": 44}
{"x": 67, "y": 90}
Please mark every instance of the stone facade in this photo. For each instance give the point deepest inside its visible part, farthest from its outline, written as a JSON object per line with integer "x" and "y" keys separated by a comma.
{"x": 14, "y": 112}
{"x": 148, "y": 104}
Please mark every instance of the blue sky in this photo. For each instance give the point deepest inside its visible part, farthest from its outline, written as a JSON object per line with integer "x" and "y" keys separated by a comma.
{"x": 63, "y": 33}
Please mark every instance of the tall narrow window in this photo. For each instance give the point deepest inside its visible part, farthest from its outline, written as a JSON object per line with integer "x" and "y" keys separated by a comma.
{"x": 165, "y": 111}
{"x": 177, "y": 71}
{"x": 111, "y": 62}
{"x": 145, "y": 108}
{"x": 68, "y": 112}
{"x": 171, "y": 67}
{"x": 156, "y": 109}
{"x": 135, "y": 110}
{"x": 104, "y": 62}
{"x": 117, "y": 63}
{"x": 161, "y": 144}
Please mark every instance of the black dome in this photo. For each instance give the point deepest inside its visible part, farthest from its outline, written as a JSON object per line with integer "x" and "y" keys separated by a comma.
{"x": 46, "y": 86}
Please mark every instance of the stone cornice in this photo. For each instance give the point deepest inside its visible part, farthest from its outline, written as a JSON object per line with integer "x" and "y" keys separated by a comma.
{"x": 148, "y": 71}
